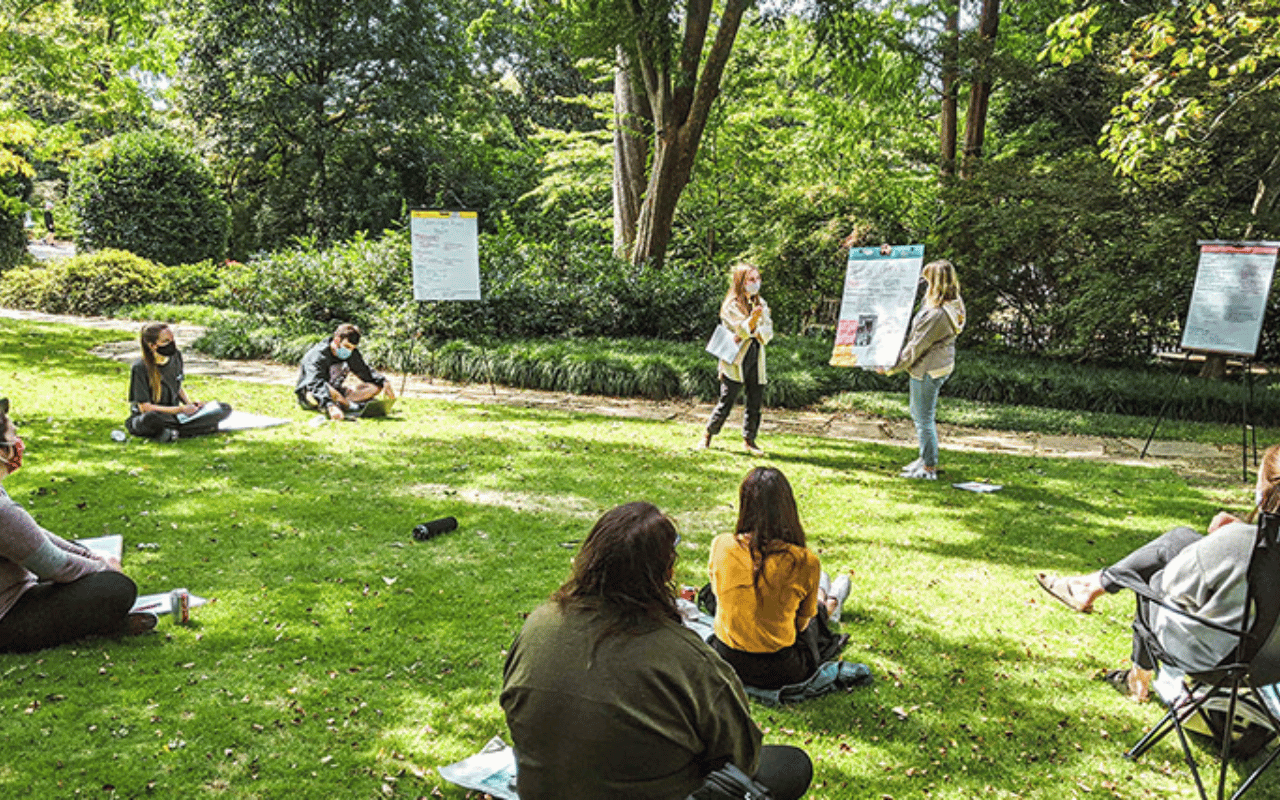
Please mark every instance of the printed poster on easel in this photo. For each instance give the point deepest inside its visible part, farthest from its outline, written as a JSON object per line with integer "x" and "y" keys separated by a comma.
{"x": 875, "y": 309}
{"x": 446, "y": 255}
{"x": 1229, "y": 298}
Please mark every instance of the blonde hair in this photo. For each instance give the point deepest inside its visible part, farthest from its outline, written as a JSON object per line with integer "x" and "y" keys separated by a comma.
{"x": 943, "y": 284}
{"x": 1269, "y": 469}
{"x": 149, "y": 335}
{"x": 737, "y": 283}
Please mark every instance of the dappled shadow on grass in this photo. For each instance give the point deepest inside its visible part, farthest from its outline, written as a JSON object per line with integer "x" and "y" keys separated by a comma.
{"x": 336, "y": 636}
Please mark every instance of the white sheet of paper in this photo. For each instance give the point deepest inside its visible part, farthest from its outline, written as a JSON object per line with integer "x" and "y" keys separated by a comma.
{"x": 979, "y": 487}
{"x": 111, "y": 545}
{"x": 492, "y": 770}
{"x": 160, "y": 604}
{"x": 721, "y": 344}
{"x": 239, "y": 420}
{"x": 205, "y": 410}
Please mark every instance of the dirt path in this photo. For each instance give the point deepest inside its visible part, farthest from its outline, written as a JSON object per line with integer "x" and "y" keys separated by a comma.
{"x": 1201, "y": 461}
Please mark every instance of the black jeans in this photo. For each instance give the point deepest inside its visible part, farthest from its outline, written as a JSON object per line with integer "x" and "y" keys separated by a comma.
{"x": 729, "y": 390}
{"x": 1144, "y": 564}
{"x": 786, "y": 770}
{"x": 50, "y": 614}
{"x": 153, "y": 423}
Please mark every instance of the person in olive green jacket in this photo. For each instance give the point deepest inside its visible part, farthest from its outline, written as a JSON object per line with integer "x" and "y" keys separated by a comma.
{"x": 608, "y": 697}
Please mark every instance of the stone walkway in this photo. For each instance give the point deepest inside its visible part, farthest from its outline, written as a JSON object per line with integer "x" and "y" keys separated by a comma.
{"x": 1205, "y": 459}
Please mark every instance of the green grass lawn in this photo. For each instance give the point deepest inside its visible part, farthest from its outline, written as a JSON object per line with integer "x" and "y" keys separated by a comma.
{"x": 344, "y": 660}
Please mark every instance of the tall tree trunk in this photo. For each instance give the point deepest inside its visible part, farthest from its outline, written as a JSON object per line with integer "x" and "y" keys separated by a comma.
{"x": 681, "y": 104}
{"x": 632, "y": 126}
{"x": 950, "y": 83}
{"x": 975, "y": 126}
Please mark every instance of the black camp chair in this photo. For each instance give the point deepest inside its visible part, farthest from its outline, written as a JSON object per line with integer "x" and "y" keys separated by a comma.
{"x": 1254, "y": 664}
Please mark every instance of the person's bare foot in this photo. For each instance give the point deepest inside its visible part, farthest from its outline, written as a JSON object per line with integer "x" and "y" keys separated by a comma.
{"x": 1076, "y": 592}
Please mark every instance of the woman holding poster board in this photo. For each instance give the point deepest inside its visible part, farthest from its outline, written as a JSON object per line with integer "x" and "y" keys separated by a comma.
{"x": 745, "y": 314}
{"x": 929, "y": 356}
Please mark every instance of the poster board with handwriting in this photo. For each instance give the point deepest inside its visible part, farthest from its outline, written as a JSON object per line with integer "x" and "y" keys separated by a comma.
{"x": 1229, "y": 299}
{"x": 446, "y": 255}
{"x": 875, "y": 308}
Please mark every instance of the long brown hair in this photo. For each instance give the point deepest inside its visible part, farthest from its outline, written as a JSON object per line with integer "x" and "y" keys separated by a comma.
{"x": 625, "y": 568}
{"x": 767, "y": 510}
{"x": 149, "y": 335}
{"x": 737, "y": 293}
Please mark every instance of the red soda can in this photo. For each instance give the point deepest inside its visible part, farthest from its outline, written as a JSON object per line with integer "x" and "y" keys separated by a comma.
{"x": 180, "y": 602}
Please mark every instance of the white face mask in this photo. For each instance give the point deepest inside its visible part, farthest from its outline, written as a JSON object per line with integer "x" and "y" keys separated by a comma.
{"x": 752, "y": 288}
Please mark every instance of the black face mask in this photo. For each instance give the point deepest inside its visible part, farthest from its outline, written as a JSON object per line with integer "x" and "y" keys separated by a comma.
{"x": 168, "y": 349}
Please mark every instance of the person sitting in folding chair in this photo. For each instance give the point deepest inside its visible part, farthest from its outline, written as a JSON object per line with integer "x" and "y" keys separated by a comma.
{"x": 324, "y": 370}
{"x": 1203, "y": 575}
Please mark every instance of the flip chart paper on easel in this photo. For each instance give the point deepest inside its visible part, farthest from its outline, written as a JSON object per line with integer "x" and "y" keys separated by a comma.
{"x": 875, "y": 310}
{"x": 446, "y": 255}
{"x": 1229, "y": 299}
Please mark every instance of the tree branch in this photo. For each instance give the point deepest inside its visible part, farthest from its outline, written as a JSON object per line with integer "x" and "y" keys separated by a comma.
{"x": 696, "y": 20}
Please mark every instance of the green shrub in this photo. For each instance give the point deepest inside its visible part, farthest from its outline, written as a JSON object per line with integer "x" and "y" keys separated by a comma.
{"x": 305, "y": 289}
{"x": 91, "y": 283}
{"x": 146, "y": 193}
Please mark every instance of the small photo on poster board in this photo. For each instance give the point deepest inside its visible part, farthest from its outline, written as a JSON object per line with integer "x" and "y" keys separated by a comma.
{"x": 875, "y": 309}
{"x": 1229, "y": 299}
{"x": 446, "y": 255}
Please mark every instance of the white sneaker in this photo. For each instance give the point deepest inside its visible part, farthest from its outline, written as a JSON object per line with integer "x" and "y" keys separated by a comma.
{"x": 913, "y": 466}
{"x": 840, "y": 591}
{"x": 921, "y": 472}
{"x": 824, "y": 583}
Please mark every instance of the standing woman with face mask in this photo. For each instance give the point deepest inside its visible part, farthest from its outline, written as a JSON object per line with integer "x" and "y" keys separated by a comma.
{"x": 53, "y": 591}
{"x": 929, "y": 356}
{"x": 159, "y": 406}
{"x": 745, "y": 313}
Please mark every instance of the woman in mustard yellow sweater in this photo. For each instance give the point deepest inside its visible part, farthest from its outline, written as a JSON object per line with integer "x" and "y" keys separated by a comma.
{"x": 769, "y": 588}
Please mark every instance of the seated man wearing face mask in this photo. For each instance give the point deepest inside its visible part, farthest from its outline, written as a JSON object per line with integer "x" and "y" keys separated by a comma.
{"x": 324, "y": 369}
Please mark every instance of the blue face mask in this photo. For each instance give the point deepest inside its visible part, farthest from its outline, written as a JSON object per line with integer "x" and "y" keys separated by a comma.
{"x": 343, "y": 352}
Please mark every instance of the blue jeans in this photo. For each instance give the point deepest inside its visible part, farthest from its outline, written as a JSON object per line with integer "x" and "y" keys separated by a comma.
{"x": 924, "y": 404}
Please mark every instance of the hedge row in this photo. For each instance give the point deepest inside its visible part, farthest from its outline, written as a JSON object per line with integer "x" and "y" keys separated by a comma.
{"x": 799, "y": 373}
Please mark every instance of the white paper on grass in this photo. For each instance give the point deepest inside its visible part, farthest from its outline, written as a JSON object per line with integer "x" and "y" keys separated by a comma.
{"x": 722, "y": 346}
{"x": 239, "y": 420}
{"x": 112, "y": 545}
{"x": 492, "y": 770}
{"x": 979, "y": 487}
{"x": 160, "y": 604}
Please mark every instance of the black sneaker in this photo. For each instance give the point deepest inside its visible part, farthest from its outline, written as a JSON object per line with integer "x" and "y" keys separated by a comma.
{"x": 140, "y": 622}
{"x": 168, "y": 435}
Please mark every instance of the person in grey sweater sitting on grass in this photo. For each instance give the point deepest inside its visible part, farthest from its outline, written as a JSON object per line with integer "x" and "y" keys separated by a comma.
{"x": 53, "y": 591}
{"x": 1204, "y": 575}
